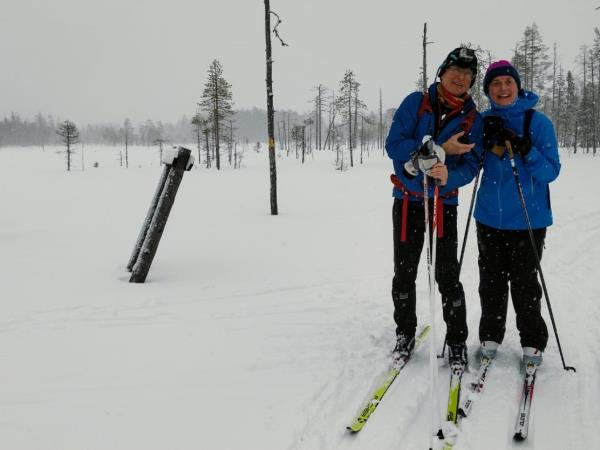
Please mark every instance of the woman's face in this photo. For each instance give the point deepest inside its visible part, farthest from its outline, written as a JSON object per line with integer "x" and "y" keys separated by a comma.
{"x": 457, "y": 80}
{"x": 503, "y": 90}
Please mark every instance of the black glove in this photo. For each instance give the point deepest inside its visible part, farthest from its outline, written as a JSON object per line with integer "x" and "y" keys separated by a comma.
{"x": 492, "y": 125}
{"x": 519, "y": 144}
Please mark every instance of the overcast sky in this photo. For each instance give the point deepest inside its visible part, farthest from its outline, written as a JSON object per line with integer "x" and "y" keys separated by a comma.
{"x": 104, "y": 60}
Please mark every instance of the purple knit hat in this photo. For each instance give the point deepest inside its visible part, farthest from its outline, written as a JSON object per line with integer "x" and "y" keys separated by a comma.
{"x": 497, "y": 69}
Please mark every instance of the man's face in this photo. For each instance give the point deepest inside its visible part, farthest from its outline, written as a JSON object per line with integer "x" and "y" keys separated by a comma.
{"x": 457, "y": 80}
{"x": 503, "y": 90}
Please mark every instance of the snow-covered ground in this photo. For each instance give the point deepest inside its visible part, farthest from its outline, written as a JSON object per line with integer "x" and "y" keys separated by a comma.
{"x": 253, "y": 331}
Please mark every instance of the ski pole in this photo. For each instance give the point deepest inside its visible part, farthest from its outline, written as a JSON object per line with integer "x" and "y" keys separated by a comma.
{"x": 515, "y": 172}
{"x": 434, "y": 399}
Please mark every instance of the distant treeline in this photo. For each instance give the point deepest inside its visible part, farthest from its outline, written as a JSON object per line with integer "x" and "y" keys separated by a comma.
{"x": 248, "y": 125}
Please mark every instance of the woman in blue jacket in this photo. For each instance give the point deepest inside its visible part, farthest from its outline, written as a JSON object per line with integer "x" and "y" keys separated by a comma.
{"x": 447, "y": 114}
{"x": 506, "y": 255}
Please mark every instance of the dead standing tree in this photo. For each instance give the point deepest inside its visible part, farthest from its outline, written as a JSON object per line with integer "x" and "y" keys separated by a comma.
{"x": 127, "y": 131}
{"x": 319, "y": 107}
{"x": 424, "y": 68}
{"x": 197, "y": 124}
{"x": 270, "y": 110}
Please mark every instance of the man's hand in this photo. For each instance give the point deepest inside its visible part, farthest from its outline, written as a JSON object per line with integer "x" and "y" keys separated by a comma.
{"x": 453, "y": 147}
{"x": 439, "y": 172}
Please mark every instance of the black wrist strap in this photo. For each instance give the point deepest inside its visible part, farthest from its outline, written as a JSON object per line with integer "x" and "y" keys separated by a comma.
{"x": 527, "y": 123}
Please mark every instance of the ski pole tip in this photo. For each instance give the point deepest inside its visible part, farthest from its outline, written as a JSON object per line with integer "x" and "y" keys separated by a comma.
{"x": 570, "y": 368}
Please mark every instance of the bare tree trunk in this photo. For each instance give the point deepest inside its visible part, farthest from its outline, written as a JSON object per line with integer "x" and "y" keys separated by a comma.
{"x": 320, "y": 116}
{"x": 270, "y": 110}
{"x": 317, "y": 114}
{"x": 593, "y": 121}
{"x": 126, "y": 150}
{"x": 559, "y": 103}
{"x": 531, "y": 80}
{"x": 350, "y": 123}
{"x": 287, "y": 137}
{"x": 329, "y": 129}
{"x": 235, "y": 156}
{"x": 230, "y": 144}
{"x": 380, "y": 128}
{"x": 425, "y": 57}
{"x": 280, "y": 134}
{"x": 303, "y": 144}
{"x": 216, "y": 132}
{"x": 584, "y": 101}
{"x": 198, "y": 139}
{"x": 597, "y": 96}
{"x": 575, "y": 141}
{"x": 207, "y": 149}
{"x": 332, "y": 113}
{"x": 355, "y": 115}
{"x": 362, "y": 138}
{"x": 285, "y": 133}
{"x": 554, "y": 86}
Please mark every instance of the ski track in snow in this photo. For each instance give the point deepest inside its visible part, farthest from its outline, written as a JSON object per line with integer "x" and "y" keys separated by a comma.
{"x": 560, "y": 398}
{"x": 284, "y": 349}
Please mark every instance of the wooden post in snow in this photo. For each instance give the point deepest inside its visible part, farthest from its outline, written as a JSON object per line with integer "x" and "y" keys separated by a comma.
{"x": 158, "y": 213}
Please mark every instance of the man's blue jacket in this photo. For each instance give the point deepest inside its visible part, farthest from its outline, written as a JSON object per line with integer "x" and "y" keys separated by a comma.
{"x": 406, "y": 135}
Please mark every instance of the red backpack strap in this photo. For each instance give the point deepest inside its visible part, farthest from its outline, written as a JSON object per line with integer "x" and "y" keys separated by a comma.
{"x": 405, "y": 193}
{"x": 425, "y": 105}
{"x": 468, "y": 121}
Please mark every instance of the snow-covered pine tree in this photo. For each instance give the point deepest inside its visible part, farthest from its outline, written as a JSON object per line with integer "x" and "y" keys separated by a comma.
{"x": 572, "y": 102}
{"x": 69, "y": 134}
{"x": 531, "y": 59}
{"x": 585, "y": 109}
{"x": 217, "y": 102}
{"x": 343, "y": 105}
{"x": 348, "y": 104}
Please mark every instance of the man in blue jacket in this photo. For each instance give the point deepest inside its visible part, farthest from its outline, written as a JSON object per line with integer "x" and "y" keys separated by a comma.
{"x": 448, "y": 115}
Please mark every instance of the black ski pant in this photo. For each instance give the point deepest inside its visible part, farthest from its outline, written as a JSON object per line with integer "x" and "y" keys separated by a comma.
{"x": 406, "y": 262}
{"x": 506, "y": 256}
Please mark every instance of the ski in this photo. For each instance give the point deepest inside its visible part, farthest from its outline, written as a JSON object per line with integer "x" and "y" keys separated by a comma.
{"x": 450, "y": 427}
{"x": 475, "y": 387}
{"x": 366, "y": 412}
{"x": 451, "y": 430}
{"x": 522, "y": 425}
{"x": 456, "y": 373}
